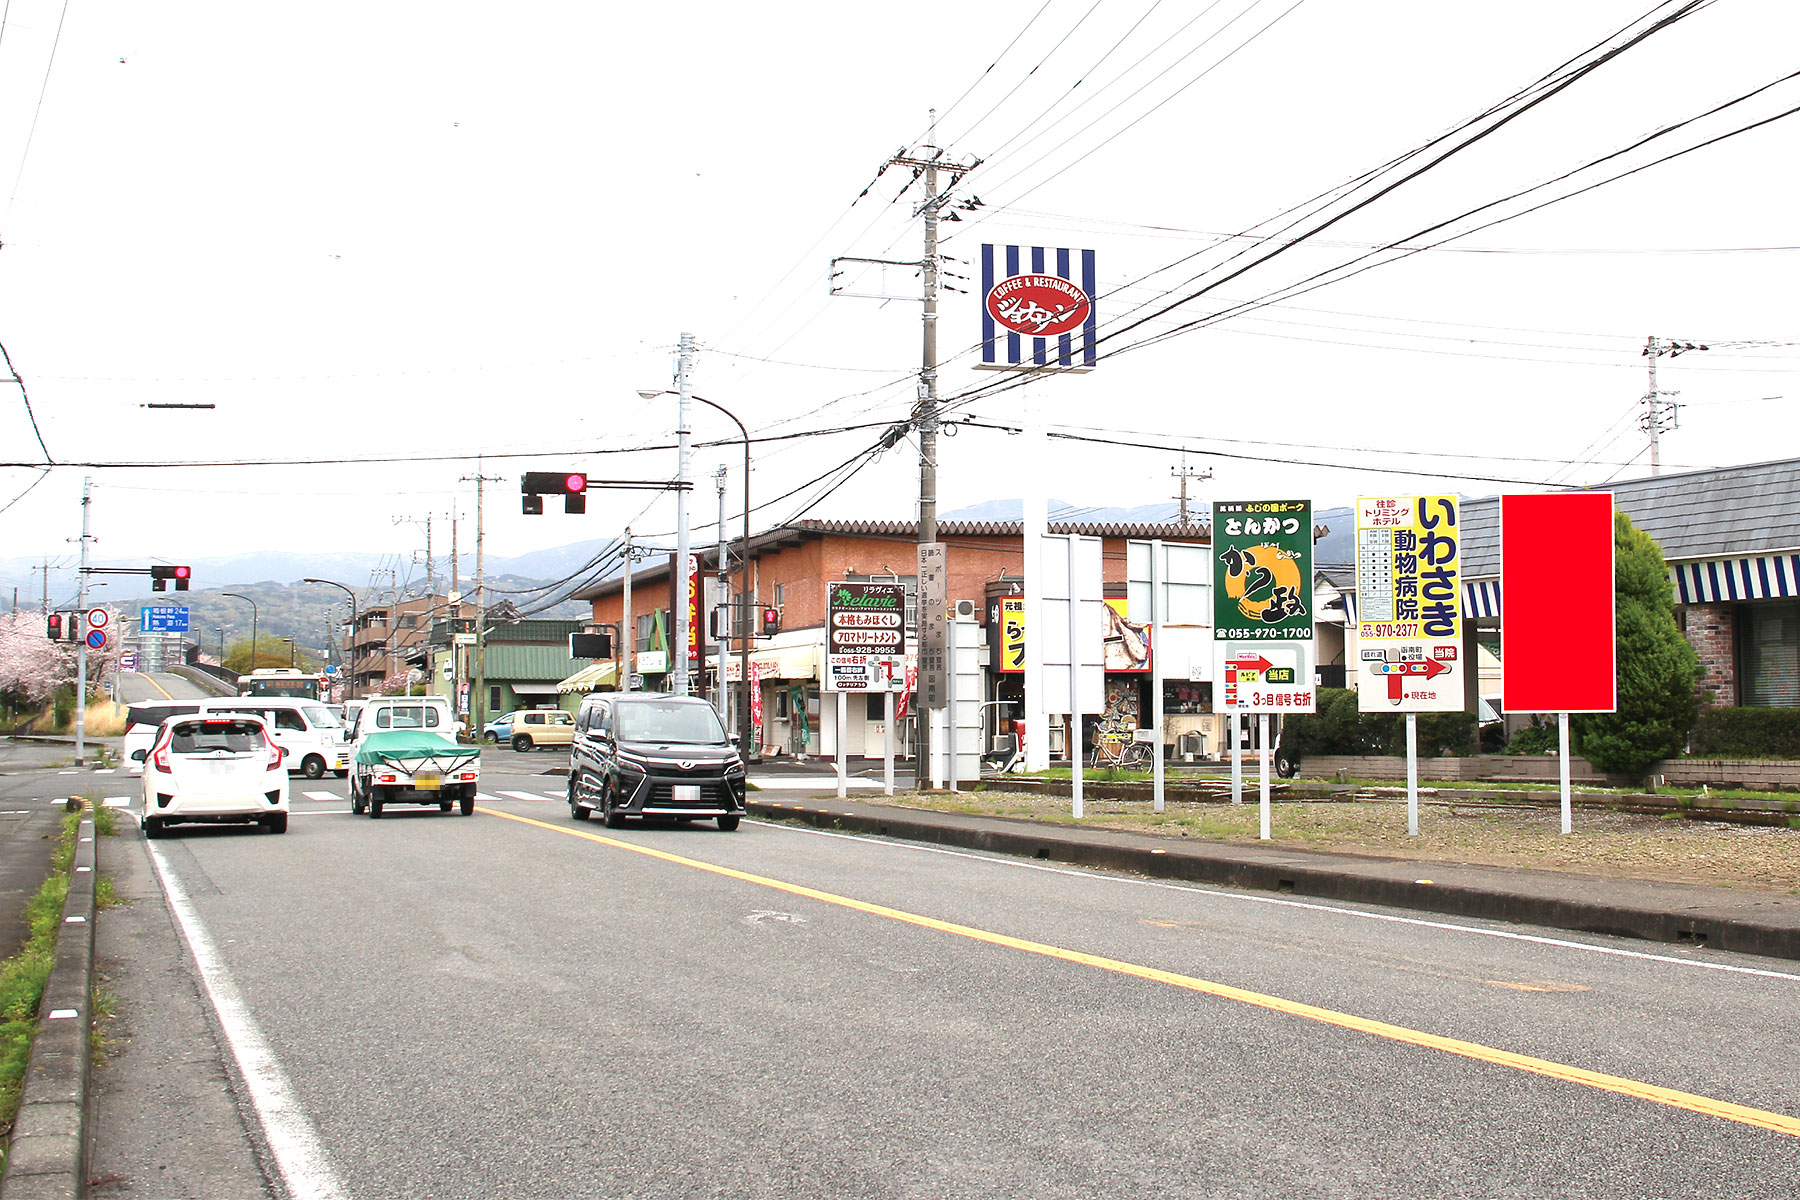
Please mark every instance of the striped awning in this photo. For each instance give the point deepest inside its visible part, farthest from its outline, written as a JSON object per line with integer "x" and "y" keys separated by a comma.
{"x": 600, "y": 674}
{"x": 1766, "y": 577}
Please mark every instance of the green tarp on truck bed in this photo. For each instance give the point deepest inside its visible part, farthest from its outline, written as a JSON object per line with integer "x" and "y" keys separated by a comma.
{"x": 396, "y": 747}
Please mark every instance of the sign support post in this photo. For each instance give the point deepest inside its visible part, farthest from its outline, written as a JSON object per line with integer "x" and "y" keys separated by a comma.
{"x": 1156, "y": 689}
{"x": 1075, "y": 770}
{"x": 1237, "y": 760}
{"x": 1562, "y": 753}
{"x": 887, "y": 744}
{"x": 1412, "y": 774}
{"x": 843, "y": 758}
{"x": 1262, "y": 757}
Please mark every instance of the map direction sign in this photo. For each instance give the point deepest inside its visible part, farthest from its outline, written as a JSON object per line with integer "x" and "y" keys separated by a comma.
{"x": 163, "y": 619}
{"x": 1409, "y": 605}
{"x": 1263, "y": 606}
{"x": 1556, "y": 588}
{"x": 865, "y": 637}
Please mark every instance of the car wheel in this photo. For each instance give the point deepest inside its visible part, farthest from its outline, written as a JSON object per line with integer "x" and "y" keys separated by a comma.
{"x": 729, "y": 823}
{"x": 313, "y": 767}
{"x": 275, "y": 822}
{"x": 153, "y": 827}
{"x": 612, "y": 816}
{"x": 489, "y": 736}
{"x": 1286, "y": 767}
{"x": 468, "y": 805}
{"x": 521, "y": 742}
{"x": 374, "y": 805}
{"x": 575, "y": 809}
{"x": 340, "y": 774}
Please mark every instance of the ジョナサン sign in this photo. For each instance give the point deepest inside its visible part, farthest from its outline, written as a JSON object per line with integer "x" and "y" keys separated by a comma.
{"x": 1037, "y": 308}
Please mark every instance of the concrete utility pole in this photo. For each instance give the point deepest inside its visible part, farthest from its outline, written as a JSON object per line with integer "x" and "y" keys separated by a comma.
{"x": 1182, "y": 473}
{"x": 925, "y": 416}
{"x": 478, "y": 693}
{"x": 87, "y": 503}
{"x": 679, "y": 618}
{"x": 724, "y": 598}
{"x": 1660, "y": 414}
{"x": 627, "y": 630}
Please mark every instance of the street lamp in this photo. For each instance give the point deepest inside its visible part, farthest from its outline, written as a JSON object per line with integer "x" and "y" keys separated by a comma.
{"x": 252, "y": 604}
{"x": 291, "y": 652}
{"x": 349, "y": 684}
{"x": 743, "y": 565}
{"x": 221, "y": 647}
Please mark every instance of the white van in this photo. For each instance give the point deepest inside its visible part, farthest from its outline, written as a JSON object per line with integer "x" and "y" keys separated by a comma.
{"x": 308, "y": 730}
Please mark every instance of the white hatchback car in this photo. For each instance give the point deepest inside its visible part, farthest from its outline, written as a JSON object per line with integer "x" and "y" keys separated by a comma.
{"x": 214, "y": 768}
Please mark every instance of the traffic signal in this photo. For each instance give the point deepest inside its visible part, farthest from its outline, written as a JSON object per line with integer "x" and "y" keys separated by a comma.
{"x": 56, "y": 627}
{"x": 570, "y": 485}
{"x": 771, "y": 621}
{"x": 160, "y": 576}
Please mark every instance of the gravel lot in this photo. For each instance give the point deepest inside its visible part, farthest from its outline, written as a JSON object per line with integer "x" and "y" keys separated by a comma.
{"x": 1625, "y": 845}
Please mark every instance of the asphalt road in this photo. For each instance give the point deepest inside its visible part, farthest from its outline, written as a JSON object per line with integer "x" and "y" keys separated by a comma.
{"x": 517, "y": 1004}
{"x": 135, "y": 686}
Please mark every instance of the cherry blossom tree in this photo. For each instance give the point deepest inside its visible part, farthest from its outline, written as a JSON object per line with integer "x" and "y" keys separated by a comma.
{"x": 32, "y": 666}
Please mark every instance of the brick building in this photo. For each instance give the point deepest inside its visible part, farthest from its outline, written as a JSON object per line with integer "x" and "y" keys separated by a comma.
{"x": 788, "y": 572}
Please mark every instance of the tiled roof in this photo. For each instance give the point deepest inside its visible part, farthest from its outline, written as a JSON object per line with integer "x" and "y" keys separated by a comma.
{"x": 1717, "y": 513}
{"x": 1196, "y": 532}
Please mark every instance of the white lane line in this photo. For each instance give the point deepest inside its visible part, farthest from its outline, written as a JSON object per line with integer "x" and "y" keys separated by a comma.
{"x": 321, "y": 795}
{"x": 293, "y": 1141}
{"x": 533, "y": 796}
{"x": 106, "y": 770}
{"x": 1311, "y": 906}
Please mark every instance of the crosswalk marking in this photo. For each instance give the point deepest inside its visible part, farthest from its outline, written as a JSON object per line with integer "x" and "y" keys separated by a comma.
{"x": 105, "y": 770}
{"x": 529, "y": 796}
{"x": 117, "y": 802}
{"x": 806, "y": 783}
{"x": 321, "y": 795}
{"x": 485, "y": 796}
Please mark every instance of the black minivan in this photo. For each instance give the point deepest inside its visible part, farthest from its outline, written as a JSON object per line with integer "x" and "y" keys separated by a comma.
{"x": 649, "y": 754}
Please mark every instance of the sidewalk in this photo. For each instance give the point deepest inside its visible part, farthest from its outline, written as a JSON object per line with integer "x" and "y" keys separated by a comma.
{"x": 1716, "y": 918}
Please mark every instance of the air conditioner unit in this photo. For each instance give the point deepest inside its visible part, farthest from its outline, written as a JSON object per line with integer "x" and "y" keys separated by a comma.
{"x": 965, "y": 610}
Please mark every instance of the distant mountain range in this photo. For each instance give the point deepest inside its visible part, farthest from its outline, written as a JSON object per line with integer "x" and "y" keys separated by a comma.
{"x": 287, "y": 608}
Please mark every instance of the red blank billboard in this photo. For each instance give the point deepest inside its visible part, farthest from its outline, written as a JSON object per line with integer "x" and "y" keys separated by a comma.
{"x": 1556, "y": 603}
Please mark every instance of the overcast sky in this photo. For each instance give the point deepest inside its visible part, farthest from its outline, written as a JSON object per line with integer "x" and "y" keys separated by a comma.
{"x": 408, "y": 229}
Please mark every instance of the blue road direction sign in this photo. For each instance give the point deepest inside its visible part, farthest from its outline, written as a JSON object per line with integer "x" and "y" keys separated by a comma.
{"x": 166, "y": 619}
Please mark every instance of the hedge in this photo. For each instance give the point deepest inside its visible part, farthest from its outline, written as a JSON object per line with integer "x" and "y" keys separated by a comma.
{"x": 1747, "y": 733}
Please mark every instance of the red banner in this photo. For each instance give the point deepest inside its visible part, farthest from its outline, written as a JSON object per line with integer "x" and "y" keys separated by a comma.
{"x": 1556, "y": 603}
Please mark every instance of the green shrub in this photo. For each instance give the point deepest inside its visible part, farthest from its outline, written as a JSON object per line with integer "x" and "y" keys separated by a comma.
{"x": 1533, "y": 739}
{"x": 1747, "y": 733}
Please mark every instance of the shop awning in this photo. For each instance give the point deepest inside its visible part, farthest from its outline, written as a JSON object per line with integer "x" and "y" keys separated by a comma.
{"x": 600, "y": 674}
{"x": 788, "y": 662}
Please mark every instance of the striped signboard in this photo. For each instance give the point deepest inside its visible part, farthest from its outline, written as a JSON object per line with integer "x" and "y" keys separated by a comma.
{"x": 1037, "y": 308}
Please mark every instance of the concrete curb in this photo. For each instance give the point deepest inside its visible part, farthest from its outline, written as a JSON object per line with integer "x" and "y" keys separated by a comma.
{"x": 48, "y": 1158}
{"x": 1525, "y": 897}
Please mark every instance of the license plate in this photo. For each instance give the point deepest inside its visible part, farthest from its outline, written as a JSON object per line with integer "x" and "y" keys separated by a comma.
{"x": 686, "y": 793}
{"x": 428, "y": 783}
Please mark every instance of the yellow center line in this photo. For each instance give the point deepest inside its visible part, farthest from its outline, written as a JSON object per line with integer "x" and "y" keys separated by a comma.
{"x": 1705, "y": 1105}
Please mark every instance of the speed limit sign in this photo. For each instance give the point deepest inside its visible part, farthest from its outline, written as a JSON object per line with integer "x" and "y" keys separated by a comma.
{"x": 97, "y": 618}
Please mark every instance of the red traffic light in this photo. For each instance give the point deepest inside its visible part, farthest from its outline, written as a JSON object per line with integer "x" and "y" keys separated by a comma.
{"x": 182, "y": 572}
{"x": 771, "y": 621}
{"x": 575, "y": 483}
{"x": 55, "y": 627}
{"x": 160, "y": 576}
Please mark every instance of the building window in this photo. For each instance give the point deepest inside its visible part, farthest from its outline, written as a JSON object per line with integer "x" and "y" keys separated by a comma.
{"x": 646, "y": 631}
{"x": 1769, "y": 653}
{"x": 780, "y": 594}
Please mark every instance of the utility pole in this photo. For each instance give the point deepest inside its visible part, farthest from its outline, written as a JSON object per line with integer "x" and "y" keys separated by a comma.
{"x": 1660, "y": 414}
{"x": 933, "y": 650}
{"x": 87, "y": 502}
{"x": 724, "y": 600}
{"x": 478, "y": 693}
{"x": 627, "y": 630}
{"x": 1182, "y": 473}
{"x": 456, "y": 651}
{"x": 683, "y": 600}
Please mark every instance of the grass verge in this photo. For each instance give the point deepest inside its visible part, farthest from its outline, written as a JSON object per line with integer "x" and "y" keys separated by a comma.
{"x": 22, "y": 976}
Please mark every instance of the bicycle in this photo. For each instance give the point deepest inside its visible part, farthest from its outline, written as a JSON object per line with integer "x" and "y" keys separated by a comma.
{"x": 1121, "y": 752}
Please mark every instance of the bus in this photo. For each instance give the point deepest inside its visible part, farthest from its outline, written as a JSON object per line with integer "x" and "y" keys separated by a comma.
{"x": 284, "y": 681}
